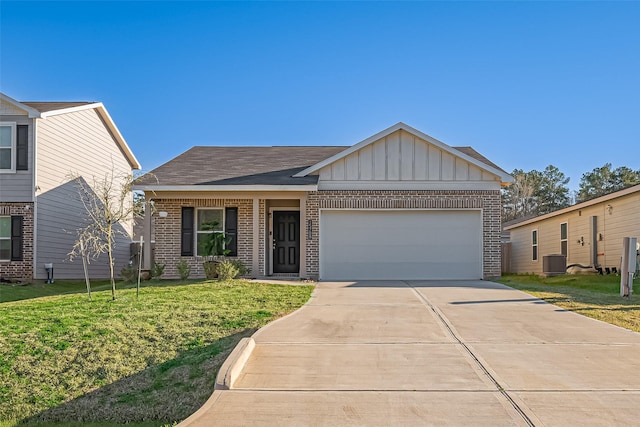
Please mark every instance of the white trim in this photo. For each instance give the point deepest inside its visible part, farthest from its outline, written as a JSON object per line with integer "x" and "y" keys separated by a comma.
{"x": 195, "y": 223}
{"x": 269, "y": 244}
{"x": 409, "y": 185}
{"x": 479, "y": 210}
{"x": 32, "y": 112}
{"x": 225, "y": 188}
{"x": 102, "y": 110}
{"x": 71, "y": 109}
{"x": 255, "y": 261}
{"x": 34, "y": 157}
{"x": 579, "y": 206}
{"x": 398, "y": 126}
{"x": 7, "y": 238}
{"x": 13, "y": 148}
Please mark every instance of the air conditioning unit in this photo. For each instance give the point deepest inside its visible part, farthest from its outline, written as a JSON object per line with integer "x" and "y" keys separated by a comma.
{"x": 554, "y": 265}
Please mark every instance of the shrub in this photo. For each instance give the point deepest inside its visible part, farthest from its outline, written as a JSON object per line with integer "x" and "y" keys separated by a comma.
{"x": 227, "y": 270}
{"x": 184, "y": 269}
{"x": 157, "y": 270}
{"x": 129, "y": 274}
{"x": 242, "y": 269}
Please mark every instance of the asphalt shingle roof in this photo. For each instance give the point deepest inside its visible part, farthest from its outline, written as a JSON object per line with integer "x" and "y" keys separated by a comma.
{"x": 206, "y": 165}
{"x": 239, "y": 166}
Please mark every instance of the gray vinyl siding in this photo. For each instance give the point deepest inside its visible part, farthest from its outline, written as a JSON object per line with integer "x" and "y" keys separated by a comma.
{"x": 18, "y": 186}
{"x": 73, "y": 143}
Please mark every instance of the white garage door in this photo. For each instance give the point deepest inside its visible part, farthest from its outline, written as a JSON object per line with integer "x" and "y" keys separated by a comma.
{"x": 415, "y": 244}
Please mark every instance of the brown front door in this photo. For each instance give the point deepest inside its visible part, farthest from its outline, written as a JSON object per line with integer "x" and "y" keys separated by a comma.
{"x": 286, "y": 241}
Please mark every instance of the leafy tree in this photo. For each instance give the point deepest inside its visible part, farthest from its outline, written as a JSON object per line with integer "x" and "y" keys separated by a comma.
{"x": 552, "y": 192}
{"x": 535, "y": 193}
{"x": 605, "y": 180}
{"x": 108, "y": 203}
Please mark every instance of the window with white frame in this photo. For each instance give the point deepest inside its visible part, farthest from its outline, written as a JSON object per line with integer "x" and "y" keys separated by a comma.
{"x": 5, "y": 238}
{"x": 7, "y": 146}
{"x": 534, "y": 245}
{"x": 564, "y": 234}
{"x": 208, "y": 222}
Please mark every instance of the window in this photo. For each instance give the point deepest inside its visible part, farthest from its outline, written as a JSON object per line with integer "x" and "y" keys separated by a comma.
{"x": 198, "y": 225}
{"x": 564, "y": 247}
{"x": 7, "y": 146}
{"x": 11, "y": 238}
{"x": 534, "y": 245}
{"x": 208, "y": 222}
{"x": 13, "y": 147}
{"x": 5, "y": 238}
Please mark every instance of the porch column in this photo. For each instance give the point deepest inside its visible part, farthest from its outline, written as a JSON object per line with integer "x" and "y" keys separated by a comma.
{"x": 255, "y": 261}
{"x": 146, "y": 235}
{"x": 303, "y": 237}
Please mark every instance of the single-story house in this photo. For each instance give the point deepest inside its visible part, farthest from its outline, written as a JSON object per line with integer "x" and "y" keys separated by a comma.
{"x": 397, "y": 205}
{"x": 589, "y": 233}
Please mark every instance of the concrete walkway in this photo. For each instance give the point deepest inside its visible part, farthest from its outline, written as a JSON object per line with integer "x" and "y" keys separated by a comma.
{"x": 429, "y": 353}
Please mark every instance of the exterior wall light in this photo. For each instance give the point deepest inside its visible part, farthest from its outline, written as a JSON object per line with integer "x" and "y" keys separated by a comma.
{"x": 163, "y": 214}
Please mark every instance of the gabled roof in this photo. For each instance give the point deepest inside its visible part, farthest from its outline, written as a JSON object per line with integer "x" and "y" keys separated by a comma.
{"x": 213, "y": 166}
{"x": 42, "y": 110}
{"x": 466, "y": 153}
{"x": 601, "y": 199}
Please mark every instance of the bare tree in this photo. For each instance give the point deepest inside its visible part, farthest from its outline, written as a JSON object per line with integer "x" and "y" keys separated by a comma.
{"x": 108, "y": 203}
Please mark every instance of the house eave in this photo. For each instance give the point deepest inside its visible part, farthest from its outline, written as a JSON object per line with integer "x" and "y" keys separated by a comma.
{"x": 592, "y": 202}
{"x": 99, "y": 106}
{"x": 225, "y": 188}
{"x": 32, "y": 112}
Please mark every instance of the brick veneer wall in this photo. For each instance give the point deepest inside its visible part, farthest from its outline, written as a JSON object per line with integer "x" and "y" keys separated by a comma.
{"x": 21, "y": 269}
{"x": 167, "y": 232}
{"x": 487, "y": 200}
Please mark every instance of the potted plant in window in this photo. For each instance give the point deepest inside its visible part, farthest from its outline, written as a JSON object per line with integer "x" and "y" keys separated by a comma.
{"x": 213, "y": 248}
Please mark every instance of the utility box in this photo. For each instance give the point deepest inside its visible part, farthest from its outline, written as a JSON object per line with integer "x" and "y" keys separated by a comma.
{"x": 554, "y": 265}
{"x": 628, "y": 267}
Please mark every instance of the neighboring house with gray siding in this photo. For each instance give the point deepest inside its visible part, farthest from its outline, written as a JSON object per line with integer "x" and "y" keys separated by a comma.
{"x": 41, "y": 145}
{"x": 397, "y": 205}
{"x": 589, "y": 233}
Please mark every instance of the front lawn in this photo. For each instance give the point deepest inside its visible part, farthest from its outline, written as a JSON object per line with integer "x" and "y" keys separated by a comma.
{"x": 591, "y": 295}
{"x": 153, "y": 360}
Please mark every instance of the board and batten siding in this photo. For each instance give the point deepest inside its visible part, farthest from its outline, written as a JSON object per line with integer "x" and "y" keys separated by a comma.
{"x": 622, "y": 220}
{"x": 76, "y": 143}
{"x": 17, "y": 186}
{"x": 402, "y": 157}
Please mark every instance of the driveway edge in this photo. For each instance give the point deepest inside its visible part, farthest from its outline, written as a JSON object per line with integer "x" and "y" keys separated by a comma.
{"x": 231, "y": 368}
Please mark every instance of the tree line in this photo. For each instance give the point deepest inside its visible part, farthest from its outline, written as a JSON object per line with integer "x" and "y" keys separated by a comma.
{"x": 536, "y": 193}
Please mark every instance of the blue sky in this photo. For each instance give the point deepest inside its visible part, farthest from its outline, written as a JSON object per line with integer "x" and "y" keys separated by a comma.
{"x": 525, "y": 83}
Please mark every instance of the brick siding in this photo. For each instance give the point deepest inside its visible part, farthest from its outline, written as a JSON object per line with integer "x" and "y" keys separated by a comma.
{"x": 22, "y": 270}
{"x": 167, "y": 230}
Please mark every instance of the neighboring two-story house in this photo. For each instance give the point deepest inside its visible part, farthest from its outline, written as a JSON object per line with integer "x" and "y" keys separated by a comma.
{"x": 42, "y": 144}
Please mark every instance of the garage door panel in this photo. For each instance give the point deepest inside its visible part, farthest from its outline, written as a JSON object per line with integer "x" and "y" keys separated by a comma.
{"x": 400, "y": 245}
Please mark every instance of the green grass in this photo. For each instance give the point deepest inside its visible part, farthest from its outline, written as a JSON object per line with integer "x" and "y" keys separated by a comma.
{"x": 591, "y": 295}
{"x": 153, "y": 360}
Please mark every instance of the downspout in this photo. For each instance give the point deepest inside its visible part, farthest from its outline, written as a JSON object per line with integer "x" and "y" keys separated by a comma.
{"x": 35, "y": 189}
{"x": 593, "y": 229}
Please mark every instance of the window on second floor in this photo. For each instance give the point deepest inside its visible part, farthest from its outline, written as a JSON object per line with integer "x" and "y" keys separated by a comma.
{"x": 13, "y": 147}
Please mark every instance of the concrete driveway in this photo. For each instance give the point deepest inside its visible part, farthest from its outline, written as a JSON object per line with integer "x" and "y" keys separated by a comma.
{"x": 410, "y": 353}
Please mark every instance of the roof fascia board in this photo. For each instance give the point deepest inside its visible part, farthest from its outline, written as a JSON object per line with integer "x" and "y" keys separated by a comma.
{"x": 400, "y": 125}
{"x": 32, "y": 112}
{"x": 226, "y": 188}
{"x": 601, "y": 199}
{"x": 102, "y": 110}
{"x": 71, "y": 109}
